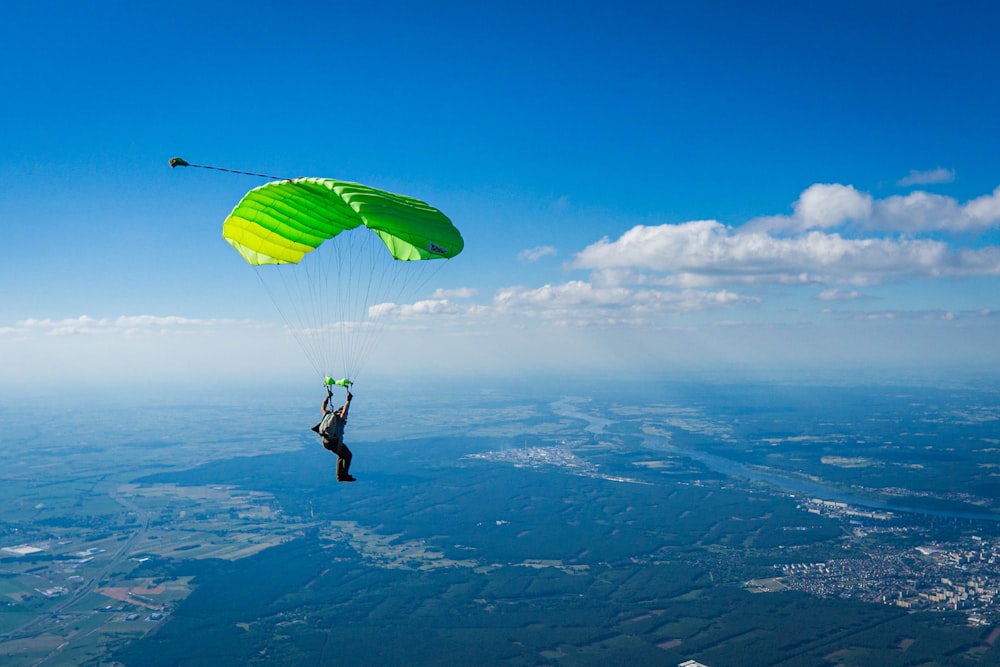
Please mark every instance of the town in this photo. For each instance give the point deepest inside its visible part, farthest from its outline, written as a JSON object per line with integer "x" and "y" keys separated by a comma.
{"x": 959, "y": 575}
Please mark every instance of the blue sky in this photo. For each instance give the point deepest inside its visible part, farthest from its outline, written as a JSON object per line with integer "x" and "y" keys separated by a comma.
{"x": 645, "y": 189}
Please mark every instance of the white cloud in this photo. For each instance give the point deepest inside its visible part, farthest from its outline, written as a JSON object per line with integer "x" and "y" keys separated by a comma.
{"x": 925, "y": 212}
{"x": 917, "y": 212}
{"x": 573, "y": 303}
{"x": 839, "y": 295}
{"x": 827, "y": 206}
{"x": 707, "y": 252}
{"x": 578, "y": 302}
{"x": 532, "y": 255}
{"x": 940, "y": 315}
{"x": 127, "y": 324}
{"x": 830, "y": 205}
{"x": 459, "y": 293}
{"x": 803, "y": 248}
{"x": 984, "y": 210}
{"x": 438, "y": 309}
{"x": 930, "y": 177}
{"x": 820, "y": 206}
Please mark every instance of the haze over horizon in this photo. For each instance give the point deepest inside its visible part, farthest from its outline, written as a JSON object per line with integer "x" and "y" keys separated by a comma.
{"x": 769, "y": 190}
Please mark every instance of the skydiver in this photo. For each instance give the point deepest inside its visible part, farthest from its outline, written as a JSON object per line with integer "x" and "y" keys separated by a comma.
{"x": 331, "y": 429}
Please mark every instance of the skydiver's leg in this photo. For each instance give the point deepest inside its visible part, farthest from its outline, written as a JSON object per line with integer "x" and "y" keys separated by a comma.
{"x": 344, "y": 464}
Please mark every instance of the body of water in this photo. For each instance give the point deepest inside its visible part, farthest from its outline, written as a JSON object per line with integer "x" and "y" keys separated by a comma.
{"x": 805, "y": 487}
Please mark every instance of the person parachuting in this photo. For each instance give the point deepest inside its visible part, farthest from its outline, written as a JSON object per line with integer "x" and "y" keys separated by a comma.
{"x": 335, "y": 258}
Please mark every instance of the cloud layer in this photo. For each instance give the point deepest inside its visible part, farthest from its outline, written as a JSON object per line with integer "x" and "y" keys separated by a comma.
{"x": 828, "y": 276}
{"x": 709, "y": 253}
{"x": 85, "y": 325}
{"x": 837, "y": 235}
{"x": 836, "y": 242}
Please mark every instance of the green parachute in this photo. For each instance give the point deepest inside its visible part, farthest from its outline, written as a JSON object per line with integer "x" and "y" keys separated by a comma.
{"x": 279, "y": 222}
{"x": 337, "y": 259}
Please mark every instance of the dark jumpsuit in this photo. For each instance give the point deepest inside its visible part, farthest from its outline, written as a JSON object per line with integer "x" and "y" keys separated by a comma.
{"x": 333, "y": 440}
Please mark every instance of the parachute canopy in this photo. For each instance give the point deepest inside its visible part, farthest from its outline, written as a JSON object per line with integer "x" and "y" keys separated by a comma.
{"x": 338, "y": 259}
{"x": 282, "y": 221}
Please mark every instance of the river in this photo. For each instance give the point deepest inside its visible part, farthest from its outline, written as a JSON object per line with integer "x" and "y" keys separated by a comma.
{"x": 803, "y": 487}
{"x": 596, "y": 425}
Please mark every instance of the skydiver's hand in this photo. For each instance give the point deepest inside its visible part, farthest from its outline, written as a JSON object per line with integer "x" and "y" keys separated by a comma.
{"x": 350, "y": 396}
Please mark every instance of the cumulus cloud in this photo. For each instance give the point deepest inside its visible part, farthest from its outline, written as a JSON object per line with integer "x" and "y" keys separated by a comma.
{"x": 925, "y": 212}
{"x": 930, "y": 177}
{"x": 707, "y": 252}
{"x": 820, "y": 206}
{"x": 826, "y": 206}
{"x": 829, "y": 205}
{"x": 532, "y": 255}
{"x": 804, "y": 248}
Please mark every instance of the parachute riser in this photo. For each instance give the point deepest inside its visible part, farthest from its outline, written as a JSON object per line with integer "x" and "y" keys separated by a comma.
{"x": 342, "y": 382}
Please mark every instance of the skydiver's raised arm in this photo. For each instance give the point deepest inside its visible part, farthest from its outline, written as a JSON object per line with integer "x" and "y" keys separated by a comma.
{"x": 347, "y": 404}
{"x": 326, "y": 401}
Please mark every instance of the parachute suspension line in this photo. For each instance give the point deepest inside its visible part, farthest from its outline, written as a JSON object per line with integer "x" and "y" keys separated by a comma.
{"x": 295, "y": 321}
{"x": 357, "y": 267}
{"x": 357, "y": 283}
{"x": 297, "y": 292}
{"x": 405, "y": 283}
{"x": 316, "y": 291}
{"x": 181, "y": 162}
{"x": 378, "y": 291}
{"x": 328, "y": 300}
{"x": 369, "y": 289}
{"x": 390, "y": 283}
{"x": 303, "y": 296}
{"x": 336, "y": 302}
{"x": 385, "y": 285}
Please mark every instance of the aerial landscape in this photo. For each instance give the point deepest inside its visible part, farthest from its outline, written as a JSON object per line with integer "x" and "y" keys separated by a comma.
{"x": 667, "y": 333}
{"x": 685, "y": 525}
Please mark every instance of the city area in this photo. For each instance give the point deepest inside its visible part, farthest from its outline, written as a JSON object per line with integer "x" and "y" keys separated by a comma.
{"x": 961, "y": 574}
